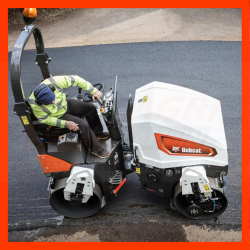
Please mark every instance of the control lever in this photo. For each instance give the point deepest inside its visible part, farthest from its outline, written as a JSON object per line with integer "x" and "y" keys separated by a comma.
{"x": 100, "y": 101}
{"x": 71, "y": 135}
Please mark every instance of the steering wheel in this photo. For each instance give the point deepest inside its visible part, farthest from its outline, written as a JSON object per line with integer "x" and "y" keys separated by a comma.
{"x": 87, "y": 97}
{"x": 114, "y": 101}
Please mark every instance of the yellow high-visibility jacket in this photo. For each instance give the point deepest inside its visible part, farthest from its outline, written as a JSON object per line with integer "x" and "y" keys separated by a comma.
{"x": 50, "y": 114}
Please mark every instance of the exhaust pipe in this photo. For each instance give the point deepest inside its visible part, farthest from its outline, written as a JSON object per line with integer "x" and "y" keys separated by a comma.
{"x": 74, "y": 198}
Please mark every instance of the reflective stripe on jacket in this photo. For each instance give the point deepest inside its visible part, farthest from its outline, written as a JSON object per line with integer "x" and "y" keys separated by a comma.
{"x": 50, "y": 114}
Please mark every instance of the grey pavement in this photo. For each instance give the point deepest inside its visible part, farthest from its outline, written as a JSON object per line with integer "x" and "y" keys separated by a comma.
{"x": 213, "y": 68}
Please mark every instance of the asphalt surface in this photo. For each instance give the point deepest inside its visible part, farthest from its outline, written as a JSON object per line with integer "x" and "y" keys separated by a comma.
{"x": 213, "y": 68}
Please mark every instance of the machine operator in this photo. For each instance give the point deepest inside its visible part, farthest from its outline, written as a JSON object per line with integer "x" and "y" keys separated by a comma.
{"x": 51, "y": 107}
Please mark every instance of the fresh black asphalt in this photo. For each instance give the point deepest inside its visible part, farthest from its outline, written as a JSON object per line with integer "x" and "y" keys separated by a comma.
{"x": 213, "y": 68}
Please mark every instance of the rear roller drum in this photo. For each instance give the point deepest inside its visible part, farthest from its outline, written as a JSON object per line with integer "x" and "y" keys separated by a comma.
{"x": 192, "y": 207}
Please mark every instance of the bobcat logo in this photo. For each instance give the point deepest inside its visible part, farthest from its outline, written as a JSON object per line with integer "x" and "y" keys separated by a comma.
{"x": 176, "y": 149}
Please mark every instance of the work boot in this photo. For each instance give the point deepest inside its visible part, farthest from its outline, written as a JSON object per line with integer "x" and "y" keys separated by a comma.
{"x": 102, "y": 154}
{"x": 103, "y": 136}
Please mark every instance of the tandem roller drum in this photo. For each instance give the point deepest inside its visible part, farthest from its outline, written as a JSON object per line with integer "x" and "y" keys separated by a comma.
{"x": 194, "y": 207}
{"x": 72, "y": 208}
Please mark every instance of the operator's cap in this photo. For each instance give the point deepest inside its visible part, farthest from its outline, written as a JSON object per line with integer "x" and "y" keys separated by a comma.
{"x": 44, "y": 94}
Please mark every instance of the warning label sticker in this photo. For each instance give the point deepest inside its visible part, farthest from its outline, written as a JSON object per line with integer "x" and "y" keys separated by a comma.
{"x": 25, "y": 120}
{"x": 145, "y": 98}
{"x": 206, "y": 187}
{"x": 138, "y": 170}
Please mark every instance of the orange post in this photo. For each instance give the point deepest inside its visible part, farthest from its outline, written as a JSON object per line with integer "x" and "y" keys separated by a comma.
{"x": 120, "y": 185}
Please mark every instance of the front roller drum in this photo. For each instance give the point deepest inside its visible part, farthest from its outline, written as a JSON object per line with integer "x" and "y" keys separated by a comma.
{"x": 183, "y": 207}
{"x": 68, "y": 209}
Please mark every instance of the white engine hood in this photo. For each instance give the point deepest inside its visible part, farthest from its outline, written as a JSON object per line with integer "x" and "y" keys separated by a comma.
{"x": 178, "y": 112}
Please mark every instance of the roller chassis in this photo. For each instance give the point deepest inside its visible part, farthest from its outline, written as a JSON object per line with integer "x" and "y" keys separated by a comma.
{"x": 109, "y": 174}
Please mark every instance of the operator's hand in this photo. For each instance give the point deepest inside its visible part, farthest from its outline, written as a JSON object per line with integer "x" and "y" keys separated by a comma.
{"x": 71, "y": 125}
{"x": 98, "y": 95}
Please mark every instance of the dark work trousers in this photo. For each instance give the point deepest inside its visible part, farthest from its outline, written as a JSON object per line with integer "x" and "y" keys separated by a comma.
{"x": 88, "y": 129}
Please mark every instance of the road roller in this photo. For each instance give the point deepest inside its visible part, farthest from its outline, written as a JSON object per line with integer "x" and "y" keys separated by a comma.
{"x": 176, "y": 145}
